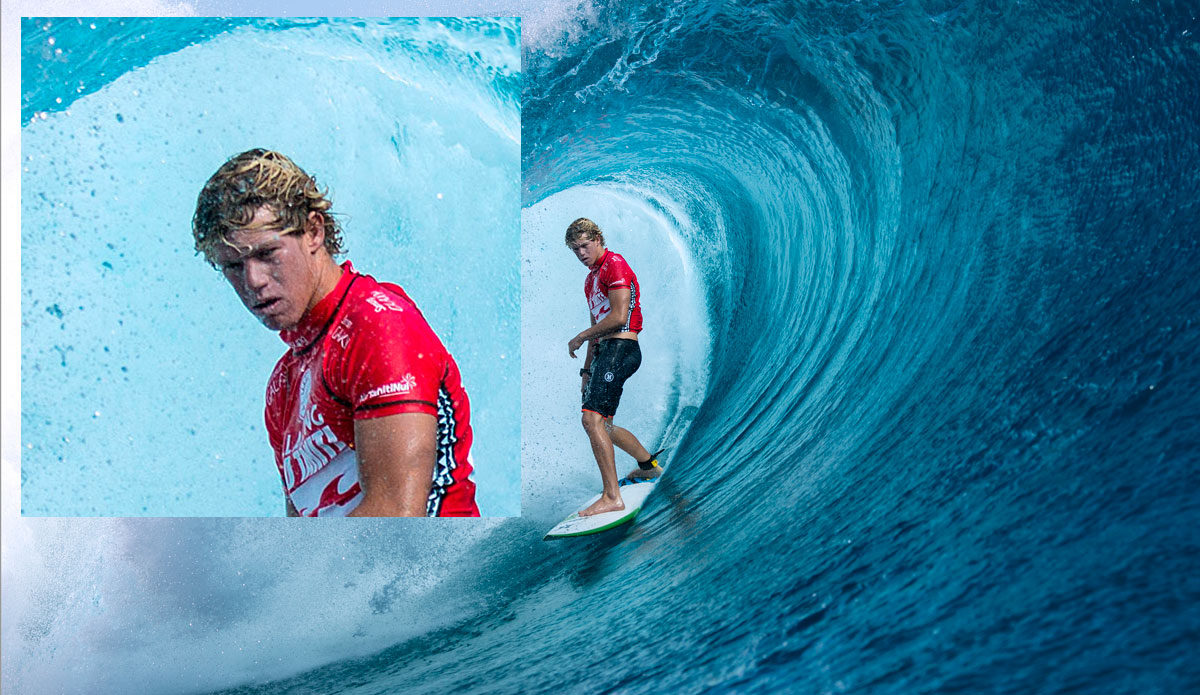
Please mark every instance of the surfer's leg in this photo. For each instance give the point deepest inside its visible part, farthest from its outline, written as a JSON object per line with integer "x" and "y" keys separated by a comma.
{"x": 602, "y": 448}
{"x": 627, "y": 442}
{"x": 622, "y": 357}
{"x": 647, "y": 462}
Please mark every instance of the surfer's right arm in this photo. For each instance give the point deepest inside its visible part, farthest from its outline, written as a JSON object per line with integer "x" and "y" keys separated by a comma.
{"x": 396, "y": 457}
{"x": 615, "y": 323}
{"x": 588, "y": 356}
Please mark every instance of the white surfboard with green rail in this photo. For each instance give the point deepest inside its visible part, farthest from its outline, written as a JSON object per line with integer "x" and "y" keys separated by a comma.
{"x": 633, "y": 494}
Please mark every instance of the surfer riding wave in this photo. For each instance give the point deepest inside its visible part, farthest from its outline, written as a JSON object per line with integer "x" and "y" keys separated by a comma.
{"x": 613, "y": 355}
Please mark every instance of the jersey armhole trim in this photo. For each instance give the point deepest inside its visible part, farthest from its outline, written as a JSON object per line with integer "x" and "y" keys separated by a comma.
{"x": 329, "y": 390}
{"x": 375, "y": 406}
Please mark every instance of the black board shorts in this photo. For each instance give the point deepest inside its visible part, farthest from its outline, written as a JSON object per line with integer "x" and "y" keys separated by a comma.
{"x": 616, "y": 360}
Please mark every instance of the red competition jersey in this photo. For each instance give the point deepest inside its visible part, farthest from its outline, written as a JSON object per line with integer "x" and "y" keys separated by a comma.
{"x": 364, "y": 351}
{"x": 612, "y": 272}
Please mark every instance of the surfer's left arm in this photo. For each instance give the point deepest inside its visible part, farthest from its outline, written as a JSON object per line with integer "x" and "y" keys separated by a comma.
{"x": 618, "y": 299}
{"x": 396, "y": 455}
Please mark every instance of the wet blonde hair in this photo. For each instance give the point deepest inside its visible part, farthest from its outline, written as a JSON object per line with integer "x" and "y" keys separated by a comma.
{"x": 586, "y": 229}
{"x": 249, "y": 181}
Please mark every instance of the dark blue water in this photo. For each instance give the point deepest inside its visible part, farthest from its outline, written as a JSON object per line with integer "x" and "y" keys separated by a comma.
{"x": 951, "y": 436}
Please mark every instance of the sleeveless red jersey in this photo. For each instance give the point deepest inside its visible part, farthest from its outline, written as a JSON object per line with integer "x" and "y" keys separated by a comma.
{"x": 611, "y": 272}
{"x": 364, "y": 351}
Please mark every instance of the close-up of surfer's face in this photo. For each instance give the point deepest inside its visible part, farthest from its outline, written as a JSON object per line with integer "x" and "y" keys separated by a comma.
{"x": 272, "y": 268}
{"x": 588, "y": 251}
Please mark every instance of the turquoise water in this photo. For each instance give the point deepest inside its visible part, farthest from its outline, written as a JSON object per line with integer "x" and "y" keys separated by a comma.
{"x": 142, "y": 376}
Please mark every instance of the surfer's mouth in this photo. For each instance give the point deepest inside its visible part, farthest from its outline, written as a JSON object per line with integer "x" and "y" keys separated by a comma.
{"x": 265, "y": 306}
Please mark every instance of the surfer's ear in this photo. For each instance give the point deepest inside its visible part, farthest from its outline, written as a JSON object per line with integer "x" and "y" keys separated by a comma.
{"x": 314, "y": 230}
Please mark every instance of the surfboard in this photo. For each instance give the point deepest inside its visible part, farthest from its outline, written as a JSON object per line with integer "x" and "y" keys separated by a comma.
{"x": 633, "y": 494}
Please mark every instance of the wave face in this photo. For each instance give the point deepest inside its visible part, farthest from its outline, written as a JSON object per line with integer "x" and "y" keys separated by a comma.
{"x": 940, "y": 434}
{"x": 948, "y": 438}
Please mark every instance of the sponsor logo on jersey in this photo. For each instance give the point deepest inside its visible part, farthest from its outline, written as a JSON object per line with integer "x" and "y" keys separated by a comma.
{"x": 598, "y": 304}
{"x": 334, "y": 494}
{"x": 341, "y": 333}
{"x": 405, "y": 385}
{"x": 310, "y": 417}
{"x": 275, "y": 385}
{"x": 382, "y": 302}
{"x": 308, "y": 454}
{"x": 316, "y": 445}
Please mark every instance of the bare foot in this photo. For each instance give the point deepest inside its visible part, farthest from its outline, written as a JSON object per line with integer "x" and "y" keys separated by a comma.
{"x": 641, "y": 474}
{"x": 604, "y": 504}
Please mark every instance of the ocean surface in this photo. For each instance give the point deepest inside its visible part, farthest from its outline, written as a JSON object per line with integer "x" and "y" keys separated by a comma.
{"x": 922, "y": 333}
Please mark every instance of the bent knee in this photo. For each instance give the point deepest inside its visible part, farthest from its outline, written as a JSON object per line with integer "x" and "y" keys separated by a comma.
{"x": 592, "y": 421}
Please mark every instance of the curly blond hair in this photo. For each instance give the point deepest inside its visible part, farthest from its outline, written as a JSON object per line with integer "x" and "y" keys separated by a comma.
{"x": 248, "y": 181}
{"x": 583, "y": 228}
